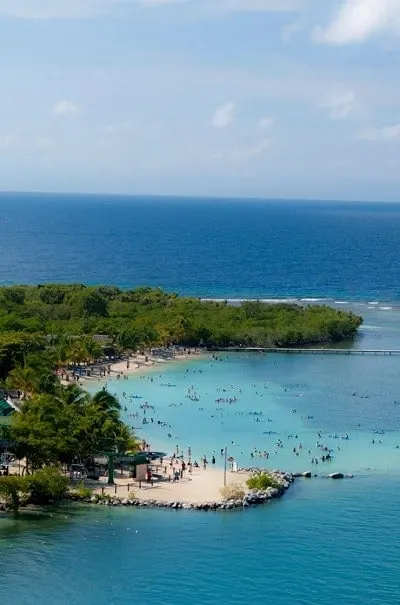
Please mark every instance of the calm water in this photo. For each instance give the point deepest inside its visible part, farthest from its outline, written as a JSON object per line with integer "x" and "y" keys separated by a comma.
{"x": 204, "y": 247}
{"x": 326, "y": 542}
{"x": 323, "y": 544}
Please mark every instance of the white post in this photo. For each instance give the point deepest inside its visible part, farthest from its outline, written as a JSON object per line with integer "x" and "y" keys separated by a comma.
{"x": 226, "y": 454}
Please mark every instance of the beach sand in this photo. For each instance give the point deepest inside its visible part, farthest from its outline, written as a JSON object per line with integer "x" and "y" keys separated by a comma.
{"x": 138, "y": 364}
{"x": 199, "y": 486}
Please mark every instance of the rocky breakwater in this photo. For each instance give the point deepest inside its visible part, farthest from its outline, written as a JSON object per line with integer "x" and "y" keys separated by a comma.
{"x": 310, "y": 474}
{"x": 247, "y": 499}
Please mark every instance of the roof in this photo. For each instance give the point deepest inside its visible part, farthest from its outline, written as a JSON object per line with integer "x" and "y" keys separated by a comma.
{"x": 5, "y": 409}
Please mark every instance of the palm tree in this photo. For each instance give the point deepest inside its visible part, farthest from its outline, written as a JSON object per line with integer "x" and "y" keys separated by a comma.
{"x": 93, "y": 349}
{"x": 23, "y": 379}
{"x": 106, "y": 402}
{"x": 73, "y": 396}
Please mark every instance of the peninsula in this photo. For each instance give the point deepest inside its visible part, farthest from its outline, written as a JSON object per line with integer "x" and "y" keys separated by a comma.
{"x": 50, "y": 333}
{"x": 78, "y": 323}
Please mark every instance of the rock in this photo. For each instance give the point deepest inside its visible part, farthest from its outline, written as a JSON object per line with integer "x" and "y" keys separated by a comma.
{"x": 124, "y": 502}
{"x": 307, "y": 474}
{"x": 94, "y": 499}
{"x": 336, "y": 476}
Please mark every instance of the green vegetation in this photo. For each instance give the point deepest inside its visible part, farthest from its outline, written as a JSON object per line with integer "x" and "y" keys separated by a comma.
{"x": 262, "y": 481}
{"x": 68, "y": 425}
{"x": 43, "y": 487}
{"x": 11, "y": 489}
{"x": 82, "y": 492}
{"x": 44, "y": 329}
{"x": 62, "y": 319}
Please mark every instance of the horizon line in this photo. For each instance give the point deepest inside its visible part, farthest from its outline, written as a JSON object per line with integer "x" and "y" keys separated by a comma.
{"x": 180, "y": 196}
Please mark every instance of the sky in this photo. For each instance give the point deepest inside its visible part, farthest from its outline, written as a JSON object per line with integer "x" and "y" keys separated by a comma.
{"x": 259, "y": 98}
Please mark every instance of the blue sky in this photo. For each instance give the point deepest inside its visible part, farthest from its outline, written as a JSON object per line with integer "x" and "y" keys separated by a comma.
{"x": 269, "y": 98}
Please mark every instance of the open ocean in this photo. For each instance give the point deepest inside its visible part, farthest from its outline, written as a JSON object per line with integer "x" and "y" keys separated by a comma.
{"x": 204, "y": 247}
{"x": 326, "y": 542}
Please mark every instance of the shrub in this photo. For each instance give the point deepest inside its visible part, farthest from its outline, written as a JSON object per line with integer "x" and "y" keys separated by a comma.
{"x": 82, "y": 491}
{"x": 11, "y": 488}
{"x": 233, "y": 491}
{"x": 262, "y": 481}
{"x": 47, "y": 485}
{"x": 131, "y": 496}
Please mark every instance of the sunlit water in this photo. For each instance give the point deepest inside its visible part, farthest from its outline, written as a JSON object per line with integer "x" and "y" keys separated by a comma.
{"x": 349, "y": 404}
{"x": 326, "y": 542}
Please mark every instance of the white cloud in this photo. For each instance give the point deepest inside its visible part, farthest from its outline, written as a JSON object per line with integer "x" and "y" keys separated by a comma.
{"x": 69, "y": 9}
{"x": 290, "y": 30}
{"x": 266, "y": 123}
{"x": 357, "y": 20}
{"x": 84, "y": 9}
{"x": 341, "y": 106}
{"x": 241, "y": 155}
{"x": 247, "y": 153}
{"x": 224, "y": 115}
{"x": 155, "y": 3}
{"x": 65, "y": 108}
{"x": 281, "y": 6}
{"x": 52, "y": 9}
{"x": 388, "y": 133}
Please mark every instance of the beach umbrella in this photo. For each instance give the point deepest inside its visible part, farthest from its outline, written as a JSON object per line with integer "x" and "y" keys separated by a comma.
{"x": 156, "y": 455}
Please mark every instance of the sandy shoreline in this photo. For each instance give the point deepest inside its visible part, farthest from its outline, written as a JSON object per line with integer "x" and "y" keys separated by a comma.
{"x": 199, "y": 486}
{"x": 135, "y": 364}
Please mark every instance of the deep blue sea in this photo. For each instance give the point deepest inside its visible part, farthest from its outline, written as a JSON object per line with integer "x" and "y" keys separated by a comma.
{"x": 205, "y": 247}
{"x": 326, "y": 542}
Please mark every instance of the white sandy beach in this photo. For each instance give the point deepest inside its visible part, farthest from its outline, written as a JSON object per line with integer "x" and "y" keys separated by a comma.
{"x": 137, "y": 364}
{"x": 199, "y": 486}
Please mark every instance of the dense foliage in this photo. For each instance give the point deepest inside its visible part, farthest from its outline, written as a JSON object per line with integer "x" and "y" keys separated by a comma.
{"x": 261, "y": 481}
{"x": 44, "y": 486}
{"x": 63, "y": 319}
{"x": 66, "y": 424}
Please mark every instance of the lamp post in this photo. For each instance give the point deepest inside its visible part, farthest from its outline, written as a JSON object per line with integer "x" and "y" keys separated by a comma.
{"x": 225, "y": 461}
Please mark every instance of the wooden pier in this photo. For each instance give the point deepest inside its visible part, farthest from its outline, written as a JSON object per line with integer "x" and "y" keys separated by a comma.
{"x": 308, "y": 351}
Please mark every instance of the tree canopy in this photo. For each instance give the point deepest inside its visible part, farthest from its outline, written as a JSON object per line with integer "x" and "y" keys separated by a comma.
{"x": 66, "y": 425}
{"x": 63, "y": 319}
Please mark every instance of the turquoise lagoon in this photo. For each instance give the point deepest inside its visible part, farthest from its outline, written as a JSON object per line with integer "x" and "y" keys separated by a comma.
{"x": 350, "y": 404}
{"x": 326, "y": 542}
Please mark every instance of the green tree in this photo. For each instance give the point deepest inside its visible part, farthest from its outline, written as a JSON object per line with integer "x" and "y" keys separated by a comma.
{"x": 11, "y": 488}
{"x": 47, "y": 485}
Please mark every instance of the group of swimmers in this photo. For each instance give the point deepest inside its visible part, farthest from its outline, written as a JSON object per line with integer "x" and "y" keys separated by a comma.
{"x": 231, "y": 395}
